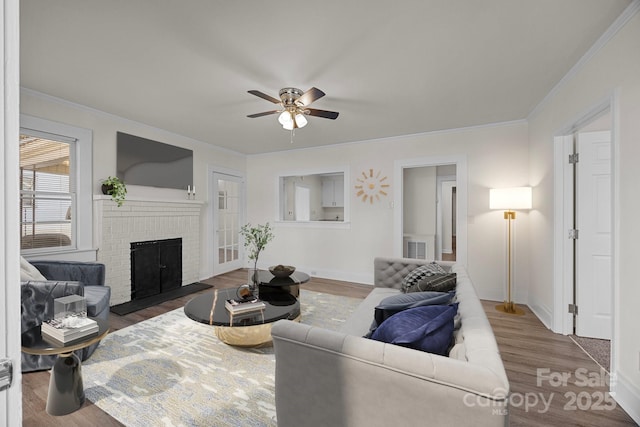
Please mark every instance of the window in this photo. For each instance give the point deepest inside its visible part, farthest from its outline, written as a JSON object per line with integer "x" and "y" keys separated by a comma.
{"x": 47, "y": 196}
{"x": 314, "y": 196}
{"x": 56, "y": 189}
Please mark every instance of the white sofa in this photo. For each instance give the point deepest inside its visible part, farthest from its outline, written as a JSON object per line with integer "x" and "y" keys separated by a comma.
{"x": 328, "y": 378}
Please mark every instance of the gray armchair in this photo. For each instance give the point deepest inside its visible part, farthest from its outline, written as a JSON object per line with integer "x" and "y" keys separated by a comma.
{"x": 63, "y": 278}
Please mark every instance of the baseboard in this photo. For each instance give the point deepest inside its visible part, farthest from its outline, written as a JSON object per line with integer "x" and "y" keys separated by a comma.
{"x": 627, "y": 395}
{"x": 542, "y": 313}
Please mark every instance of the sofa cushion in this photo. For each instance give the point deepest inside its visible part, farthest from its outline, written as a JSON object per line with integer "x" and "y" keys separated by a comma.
{"x": 412, "y": 279}
{"x": 29, "y": 272}
{"x": 428, "y": 328}
{"x": 437, "y": 282}
{"x": 400, "y": 302}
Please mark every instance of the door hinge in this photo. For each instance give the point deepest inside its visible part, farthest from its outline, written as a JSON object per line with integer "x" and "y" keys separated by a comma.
{"x": 573, "y": 309}
{"x": 573, "y": 234}
{"x": 6, "y": 374}
{"x": 574, "y": 158}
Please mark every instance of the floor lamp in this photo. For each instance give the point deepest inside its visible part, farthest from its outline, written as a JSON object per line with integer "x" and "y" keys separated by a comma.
{"x": 509, "y": 199}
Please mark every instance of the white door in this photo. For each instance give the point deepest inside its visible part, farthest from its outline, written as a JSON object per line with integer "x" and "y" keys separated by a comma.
{"x": 226, "y": 222}
{"x": 593, "y": 247}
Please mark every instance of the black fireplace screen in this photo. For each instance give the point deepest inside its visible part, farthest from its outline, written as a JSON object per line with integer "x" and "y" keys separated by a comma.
{"x": 156, "y": 267}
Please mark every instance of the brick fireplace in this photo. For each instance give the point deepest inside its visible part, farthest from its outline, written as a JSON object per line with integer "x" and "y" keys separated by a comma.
{"x": 139, "y": 220}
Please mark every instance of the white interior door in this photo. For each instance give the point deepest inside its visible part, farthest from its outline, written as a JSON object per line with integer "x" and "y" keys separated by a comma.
{"x": 594, "y": 288}
{"x": 227, "y": 217}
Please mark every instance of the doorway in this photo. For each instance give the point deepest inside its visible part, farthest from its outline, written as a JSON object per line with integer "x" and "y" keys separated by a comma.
{"x": 410, "y": 174}
{"x": 227, "y": 214}
{"x": 584, "y": 233}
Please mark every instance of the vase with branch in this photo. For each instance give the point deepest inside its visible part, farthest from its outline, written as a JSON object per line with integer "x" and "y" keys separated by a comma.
{"x": 255, "y": 241}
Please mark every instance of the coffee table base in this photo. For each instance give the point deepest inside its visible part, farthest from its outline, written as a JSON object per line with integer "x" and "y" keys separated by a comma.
{"x": 246, "y": 336}
{"x": 66, "y": 392}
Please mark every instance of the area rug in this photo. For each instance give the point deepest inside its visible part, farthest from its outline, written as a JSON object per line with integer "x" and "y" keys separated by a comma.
{"x": 174, "y": 372}
{"x": 598, "y": 350}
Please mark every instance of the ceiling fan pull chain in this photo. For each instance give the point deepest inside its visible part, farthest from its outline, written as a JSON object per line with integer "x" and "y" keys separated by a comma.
{"x": 292, "y": 136}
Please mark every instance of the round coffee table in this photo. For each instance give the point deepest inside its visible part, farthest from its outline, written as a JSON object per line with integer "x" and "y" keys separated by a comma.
{"x": 66, "y": 391}
{"x": 251, "y": 329}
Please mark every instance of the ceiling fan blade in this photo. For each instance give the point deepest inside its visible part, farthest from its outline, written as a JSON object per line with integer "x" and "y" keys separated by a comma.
{"x": 264, "y": 96}
{"x": 266, "y": 113}
{"x": 322, "y": 113}
{"x": 309, "y": 96}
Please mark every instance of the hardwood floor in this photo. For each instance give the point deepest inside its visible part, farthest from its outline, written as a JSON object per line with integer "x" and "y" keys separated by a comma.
{"x": 525, "y": 343}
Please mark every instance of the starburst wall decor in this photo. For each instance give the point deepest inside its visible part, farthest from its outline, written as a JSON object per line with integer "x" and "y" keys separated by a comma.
{"x": 371, "y": 186}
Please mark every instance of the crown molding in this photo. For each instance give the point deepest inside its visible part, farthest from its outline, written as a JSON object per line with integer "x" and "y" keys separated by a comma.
{"x": 613, "y": 29}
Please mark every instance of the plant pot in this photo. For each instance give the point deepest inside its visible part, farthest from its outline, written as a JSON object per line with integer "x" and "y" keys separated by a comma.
{"x": 106, "y": 189}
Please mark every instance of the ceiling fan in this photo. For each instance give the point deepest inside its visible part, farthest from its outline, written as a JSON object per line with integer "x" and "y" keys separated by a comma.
{"x": 295, "y": 105}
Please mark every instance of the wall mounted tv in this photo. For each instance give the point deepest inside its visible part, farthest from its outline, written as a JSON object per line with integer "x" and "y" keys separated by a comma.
{"x": 142, "y": 161}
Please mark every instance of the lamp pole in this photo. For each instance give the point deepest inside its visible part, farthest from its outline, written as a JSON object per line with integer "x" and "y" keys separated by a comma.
{"x": 509, "y": 306}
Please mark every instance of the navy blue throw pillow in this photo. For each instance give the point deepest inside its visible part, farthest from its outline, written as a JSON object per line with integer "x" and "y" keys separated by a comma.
{"x": 428, "y": 328}
{"x": 400, "y": 302}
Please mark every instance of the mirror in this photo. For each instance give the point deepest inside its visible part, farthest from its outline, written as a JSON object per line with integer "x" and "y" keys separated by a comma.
{"x": 313, "y": 197}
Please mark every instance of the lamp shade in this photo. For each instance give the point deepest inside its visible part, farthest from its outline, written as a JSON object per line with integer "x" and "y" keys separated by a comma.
{"x": 510, "y": 198}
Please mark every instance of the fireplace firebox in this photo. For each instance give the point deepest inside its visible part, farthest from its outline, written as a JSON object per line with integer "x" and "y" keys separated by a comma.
{"x": 156, "y": 267}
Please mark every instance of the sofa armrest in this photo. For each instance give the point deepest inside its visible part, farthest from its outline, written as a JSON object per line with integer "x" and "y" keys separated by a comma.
{"x": 89, "y": 273}
{"x": 389, "y": 272}
{"x": 344, "y": 380}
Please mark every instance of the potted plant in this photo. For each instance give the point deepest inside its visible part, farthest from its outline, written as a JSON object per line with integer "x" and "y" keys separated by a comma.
{"x": 255, "y": 240}
{"x": 116, "y": 188}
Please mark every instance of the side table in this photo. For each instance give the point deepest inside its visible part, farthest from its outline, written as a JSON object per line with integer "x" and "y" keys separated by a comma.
{"x": 66, "y": 391}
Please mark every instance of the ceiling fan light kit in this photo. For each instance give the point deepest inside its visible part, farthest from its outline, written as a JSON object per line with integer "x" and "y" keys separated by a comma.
{"x": 294, "y": 107}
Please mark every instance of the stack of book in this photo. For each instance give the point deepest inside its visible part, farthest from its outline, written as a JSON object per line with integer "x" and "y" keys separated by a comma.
{"x": 236, "y": 306}
{"x": 66, "y": 331}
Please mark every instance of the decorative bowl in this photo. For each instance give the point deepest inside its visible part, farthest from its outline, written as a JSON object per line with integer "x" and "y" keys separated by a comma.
{"x": 282, "y": 270}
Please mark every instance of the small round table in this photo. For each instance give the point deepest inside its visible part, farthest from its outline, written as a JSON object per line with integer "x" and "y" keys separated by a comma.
{"x": 290, "y": 284}
{"x": 66, "y": 391}
{"x": 251, "y": 329}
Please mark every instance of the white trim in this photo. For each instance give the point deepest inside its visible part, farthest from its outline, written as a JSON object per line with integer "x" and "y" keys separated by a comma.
{"x": 626, "y": 394}
{"x": 563, "y": 205}
{"x": 563, "y": 274}
{"x": 279, "y": 212}
{"x": 438, "y": 244}
{"x": 602, "y": 41}
{"x": 10, "y": 399}
{"x": 82, "y": 170}
{"x": 461, "y": 190}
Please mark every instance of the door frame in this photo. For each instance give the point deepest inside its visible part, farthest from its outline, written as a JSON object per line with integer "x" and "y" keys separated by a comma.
{"x": 209, "y": 242}
{"x": 461, "y": 191}
{"x": 11, "y": 398}
{"x": 563, "y": 219}
{"x": 440, "y": 180}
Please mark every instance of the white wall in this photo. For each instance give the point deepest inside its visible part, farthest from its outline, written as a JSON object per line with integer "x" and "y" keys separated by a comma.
{"x": 420, "y": 201}
{"x": 612, "y": 71}
{"x": 104, "y": 127}
{"x": 497, "y": 156}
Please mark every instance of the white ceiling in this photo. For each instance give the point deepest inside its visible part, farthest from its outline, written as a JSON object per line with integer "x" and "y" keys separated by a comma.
{"x": 389, "y": 68}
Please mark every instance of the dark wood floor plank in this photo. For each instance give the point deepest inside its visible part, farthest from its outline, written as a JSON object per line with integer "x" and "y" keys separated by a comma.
{"x": 526, "y": 345}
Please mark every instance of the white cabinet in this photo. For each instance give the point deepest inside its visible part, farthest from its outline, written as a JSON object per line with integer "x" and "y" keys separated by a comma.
{"x": 333, "y": 191}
